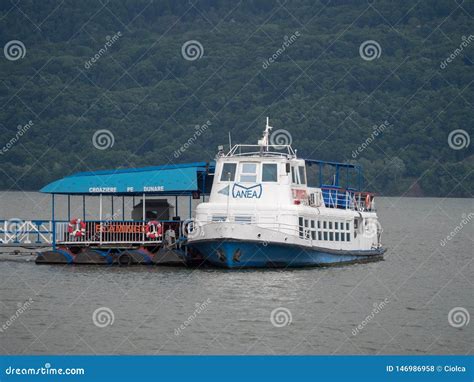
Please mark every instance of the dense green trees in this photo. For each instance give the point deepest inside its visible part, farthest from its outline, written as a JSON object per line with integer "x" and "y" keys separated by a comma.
{"x": 319, "y": 88}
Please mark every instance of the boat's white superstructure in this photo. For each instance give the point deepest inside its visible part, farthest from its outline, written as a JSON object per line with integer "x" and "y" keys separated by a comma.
{"x": 263, "y": 212}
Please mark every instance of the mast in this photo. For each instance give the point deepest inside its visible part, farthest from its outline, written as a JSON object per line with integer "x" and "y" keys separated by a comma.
{"x": 265, "y": 141}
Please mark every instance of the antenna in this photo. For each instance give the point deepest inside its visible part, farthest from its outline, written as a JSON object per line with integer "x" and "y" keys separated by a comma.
{"x": 264, "y": 142}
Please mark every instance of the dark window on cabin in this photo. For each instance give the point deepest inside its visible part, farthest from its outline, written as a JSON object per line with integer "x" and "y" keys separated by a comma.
{"x": 330, "y": 225}
{"x": 337, "y": 236}
{"x": 347, "y": 226}
{"x": 319, "y": 224}
{"x": 336, "y": 225}
{"x": 302, "y": 176}
{"x": 228, "y": 171}
{"x": 325, "y": 235}
{"x": 320, "y": 234}
{"x": 324, "y": 224}
{"x": 331, "y": 236}
{"x": 269, "y": 172}
{"x": 348, "y": 237}
{"x": 342, "y": 236}
{"x": 300, "y": 221}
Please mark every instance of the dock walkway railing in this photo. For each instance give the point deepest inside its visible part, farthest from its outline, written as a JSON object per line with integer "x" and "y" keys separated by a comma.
{"x": 45, "y": 233}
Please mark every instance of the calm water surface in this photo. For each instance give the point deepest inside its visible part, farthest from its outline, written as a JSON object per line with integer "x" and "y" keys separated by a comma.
{"x": 401, "y": 304}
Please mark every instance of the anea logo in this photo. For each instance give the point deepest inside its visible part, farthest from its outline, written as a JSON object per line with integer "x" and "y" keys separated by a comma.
{"x": 239, "y": 191}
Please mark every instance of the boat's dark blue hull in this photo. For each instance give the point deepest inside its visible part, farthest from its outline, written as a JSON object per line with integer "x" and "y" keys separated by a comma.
{"x": 253, "y": 254}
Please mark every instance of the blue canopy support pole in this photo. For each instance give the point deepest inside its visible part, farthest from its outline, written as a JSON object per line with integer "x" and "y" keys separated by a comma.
{"x": 347, "y": 177}
{"x": 69, "y": 207}
{"x": 143, "y": 216}
{"x": 176, "y": 203}
{"x": 100, "y": 217}
{"x": 83, "y": 207}
{"x": 320, "y": 174}
{"x": 53, "y": 241}
{"x": 190, "y": 206}
{"x": 203, "y": 186}
{"x": 112, "y": 207}
{"x": 359, "y": 179}
{"x": 123, "y": 207}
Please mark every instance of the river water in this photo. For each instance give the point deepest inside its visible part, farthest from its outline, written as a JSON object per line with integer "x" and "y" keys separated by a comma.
{"x": 400, "y": 305}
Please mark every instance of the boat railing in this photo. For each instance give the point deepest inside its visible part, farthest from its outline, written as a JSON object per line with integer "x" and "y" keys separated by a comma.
{"x": 102, "y": 232}
{"x": 19, "y": 232}
{"x": 271, "y": 150}
{"x": 335, "y": 197}
{"x": 45, "y": 233}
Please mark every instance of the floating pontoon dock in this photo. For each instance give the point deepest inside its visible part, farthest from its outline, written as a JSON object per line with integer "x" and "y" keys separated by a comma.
{"x": 155, "y": 233}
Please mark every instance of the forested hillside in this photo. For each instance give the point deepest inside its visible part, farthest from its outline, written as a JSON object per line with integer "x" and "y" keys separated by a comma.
{"x": 128, "y": 67}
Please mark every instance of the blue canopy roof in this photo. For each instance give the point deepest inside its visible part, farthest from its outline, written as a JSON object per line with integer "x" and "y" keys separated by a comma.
{"x": 167, "y": 179}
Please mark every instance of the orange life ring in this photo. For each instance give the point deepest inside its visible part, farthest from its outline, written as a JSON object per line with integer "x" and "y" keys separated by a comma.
{"x": 367, "y": 201}
{"x": 76, "y": 227}
{"x": 154, "y": 229}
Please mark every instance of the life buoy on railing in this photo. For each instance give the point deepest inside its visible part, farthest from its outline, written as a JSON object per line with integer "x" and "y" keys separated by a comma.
{"x": 76, "y": 227}
{"x": 367, "y": 202}
{"x": 154, "y": 229}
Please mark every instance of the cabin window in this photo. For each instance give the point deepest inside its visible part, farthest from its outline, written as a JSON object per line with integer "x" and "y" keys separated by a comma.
{"x": 331, "y": 236}
{"x": 313, "y": 235}
{"x": 300, "y": 226}
{"x": 219, "y": 218}
{"x": 336, "y": 225}
{"x": 325, "y": 235}
{"x": 319, "y": 224}
{"x": 337, "y": 236}
{"x": 347, "y": 226}
{"x": 302, "y": 175}
{"x": 324, "y": 224}
{"x": 243, "y": 219}
{"x": 320, "y": 234}
{"x": 248, "y": 172}
{"x": 342, "y": 236}
{"x": 228, "y": 172}
{"x": 330, "y": 225}
{"x": 348, "y": 237}
{"x": 269, "y": 172}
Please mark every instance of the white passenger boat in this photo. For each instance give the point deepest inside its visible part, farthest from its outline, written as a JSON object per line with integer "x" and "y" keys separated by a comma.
{"x": 269, "y": 208}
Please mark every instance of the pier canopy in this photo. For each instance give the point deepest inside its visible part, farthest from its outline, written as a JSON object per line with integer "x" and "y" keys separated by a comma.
{"x": 175, "y": 179}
